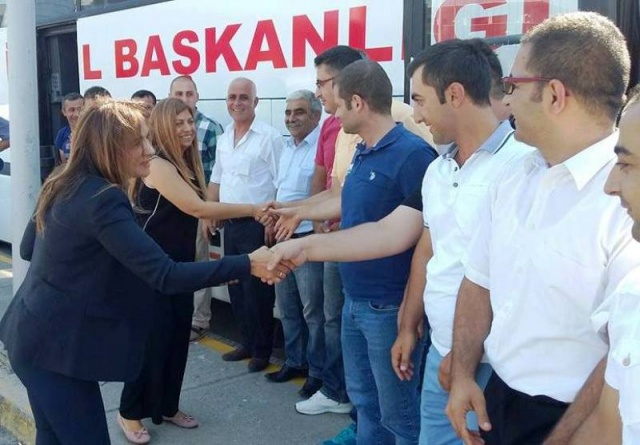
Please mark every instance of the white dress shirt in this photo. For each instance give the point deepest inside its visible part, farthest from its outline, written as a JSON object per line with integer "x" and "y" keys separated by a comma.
{"x": 247, "y": 172}
{"x": 622, "y": 317}
{"x": 452, "y": 199}
{"x": 297, "y": 164}
{"x": 551, "y": 246}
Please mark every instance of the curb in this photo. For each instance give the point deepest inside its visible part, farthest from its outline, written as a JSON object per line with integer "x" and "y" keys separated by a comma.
{"x": 15, "y": 413}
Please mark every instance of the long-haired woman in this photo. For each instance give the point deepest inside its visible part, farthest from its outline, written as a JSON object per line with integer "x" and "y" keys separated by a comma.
{"x": 80, "y": 316}
{"x": 169, "y": 201}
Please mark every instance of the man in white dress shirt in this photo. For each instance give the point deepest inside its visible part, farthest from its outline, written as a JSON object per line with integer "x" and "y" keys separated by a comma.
{"x": 550, "y": 246}
{"x": 616, "y": 417}
{"x": 300, "y": 296}
{"x": 245, "y": 172}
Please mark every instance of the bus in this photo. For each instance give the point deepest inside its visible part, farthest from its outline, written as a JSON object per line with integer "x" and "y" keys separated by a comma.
{"x": 126, "y": 45}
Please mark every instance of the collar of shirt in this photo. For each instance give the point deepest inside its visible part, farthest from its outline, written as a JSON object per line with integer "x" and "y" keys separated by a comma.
{"x": 386, "y": 140}
{"x": 492, "y": 145}
{"x": 582, "y": 166}
{"x": 310, "y": 140}
{"x": 257, "y": 126}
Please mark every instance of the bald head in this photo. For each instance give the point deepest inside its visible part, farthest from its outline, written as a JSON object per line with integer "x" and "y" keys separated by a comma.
{"x": 242, "y": 99}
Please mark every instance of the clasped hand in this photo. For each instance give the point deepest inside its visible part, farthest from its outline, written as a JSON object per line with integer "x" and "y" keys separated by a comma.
{"x": 267, "y": 267}
{"x": 284, "y": 221}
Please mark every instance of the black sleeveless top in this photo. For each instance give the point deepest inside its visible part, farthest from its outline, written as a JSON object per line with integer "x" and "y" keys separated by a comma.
{"x": 170, "y": 227}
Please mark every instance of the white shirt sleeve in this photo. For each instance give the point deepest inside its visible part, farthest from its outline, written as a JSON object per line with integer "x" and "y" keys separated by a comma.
{"x": 623, "y": 361}
{"x": 476, "y": 262}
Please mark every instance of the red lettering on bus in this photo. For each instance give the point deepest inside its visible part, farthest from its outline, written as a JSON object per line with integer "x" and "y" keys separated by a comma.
{"x": 89, "y": 74}
{"x": 304, "y": 32}
{"x": 154, "y": 58}
{"x": 535, "y": 11}
{"x": 186, "y": 51}
{"x": 187, "y": 58}
{"x": 214, "y": 48}
{"x": 125, "y": 53}
{"x": 358, "y": 36}
{"x": 445, "y": 21}
{"x": 265, "y": 33}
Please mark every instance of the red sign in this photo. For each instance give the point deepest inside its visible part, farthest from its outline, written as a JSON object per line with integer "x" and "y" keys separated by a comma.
{"x": 491, "y": 17}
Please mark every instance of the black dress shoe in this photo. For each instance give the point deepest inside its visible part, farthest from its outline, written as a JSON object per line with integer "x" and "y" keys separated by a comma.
{"x": 311, "y": 386}
{"x": 257, "y": 364}
{"x": 285, "y": 374}
{"x": 236, "y": 355}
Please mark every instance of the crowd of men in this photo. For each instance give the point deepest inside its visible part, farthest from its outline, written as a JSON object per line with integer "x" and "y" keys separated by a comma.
{"x": 486, "y": 292}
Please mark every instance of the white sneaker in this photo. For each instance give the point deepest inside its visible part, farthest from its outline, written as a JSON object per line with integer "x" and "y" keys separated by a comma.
{"x": 320, "y": 404}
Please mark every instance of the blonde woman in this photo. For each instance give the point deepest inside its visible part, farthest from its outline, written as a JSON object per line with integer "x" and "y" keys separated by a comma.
{"x": 169, "y": 203}
{"x": 80, "y": 316}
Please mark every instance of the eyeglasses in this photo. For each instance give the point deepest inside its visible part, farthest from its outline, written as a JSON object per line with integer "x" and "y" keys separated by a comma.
{"x": 509, "y": 83}
{"x": 320, "y": 83}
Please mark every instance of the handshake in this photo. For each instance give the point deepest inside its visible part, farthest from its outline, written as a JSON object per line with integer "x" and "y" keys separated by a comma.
{"x": 274, "y": 264}
{"x": 283, "y": 221}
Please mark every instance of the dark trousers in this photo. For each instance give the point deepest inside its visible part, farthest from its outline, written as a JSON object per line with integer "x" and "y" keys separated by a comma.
{"x": 252, "y": 300}
{"x": 156, "y": 391}
{"x": 518, "y": 418}
{"x": 67, "y": 411}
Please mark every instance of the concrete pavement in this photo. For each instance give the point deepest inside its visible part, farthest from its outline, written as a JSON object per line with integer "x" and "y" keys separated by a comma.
{"x": 233, "y": 406}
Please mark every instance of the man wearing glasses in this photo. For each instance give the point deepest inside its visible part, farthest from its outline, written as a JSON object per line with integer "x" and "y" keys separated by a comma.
{"x": 550, "y": 246}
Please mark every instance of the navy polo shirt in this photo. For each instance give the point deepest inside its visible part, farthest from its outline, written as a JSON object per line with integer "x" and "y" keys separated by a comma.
{"x": 63, "y": 140}
{"x": 379, "y": 179}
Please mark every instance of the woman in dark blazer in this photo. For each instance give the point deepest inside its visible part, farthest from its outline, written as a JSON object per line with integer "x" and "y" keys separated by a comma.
{"x": 79, "y": 316}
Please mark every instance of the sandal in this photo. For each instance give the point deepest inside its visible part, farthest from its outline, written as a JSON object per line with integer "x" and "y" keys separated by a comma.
{"x": 197, "y": 333}
{"x": 140, "y": 437}
{"x": 182, "y": 420}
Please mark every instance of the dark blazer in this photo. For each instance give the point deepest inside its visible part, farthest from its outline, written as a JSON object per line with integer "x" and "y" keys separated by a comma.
{"x": 81, "y": 310}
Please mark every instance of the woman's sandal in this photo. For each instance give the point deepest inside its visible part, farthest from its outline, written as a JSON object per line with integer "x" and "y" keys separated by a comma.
{"x": 182, "y": 420}
{"x": 141, "y": 436}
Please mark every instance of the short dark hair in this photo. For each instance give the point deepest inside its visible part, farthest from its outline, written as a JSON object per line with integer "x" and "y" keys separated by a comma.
{"x": 96, "y": 91}
{"x": 183, "y": 77}
{"x": 141, "y": 94}
{"x": 587, "y": 53}
{"x": 70, "y": 97}
{"x": 338, "y": 57}
{"x": 495, "y": 66}
{"x": 633, "y": 97}
{"x": 455, "y": 60}
{"x": 368, "y": 80}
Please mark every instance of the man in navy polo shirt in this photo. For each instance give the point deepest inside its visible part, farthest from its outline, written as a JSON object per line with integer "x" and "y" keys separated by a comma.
{"x": 387, "y": 166}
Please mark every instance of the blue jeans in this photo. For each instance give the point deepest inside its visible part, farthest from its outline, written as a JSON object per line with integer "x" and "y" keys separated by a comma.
{"x": 435, "y": 427}
{"x": 388, "y": 408}
{"x": 333, "y": 382}
{"x": 300, "y": 300}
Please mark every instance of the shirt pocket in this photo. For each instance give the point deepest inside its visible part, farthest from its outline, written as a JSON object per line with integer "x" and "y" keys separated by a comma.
{"x": 242, "y": 165}
{"x": 576, "y": 285}
{"x": 303, "y": 184}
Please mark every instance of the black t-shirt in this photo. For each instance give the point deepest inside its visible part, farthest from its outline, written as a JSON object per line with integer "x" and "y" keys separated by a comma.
{"x": 414, "y": 200}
